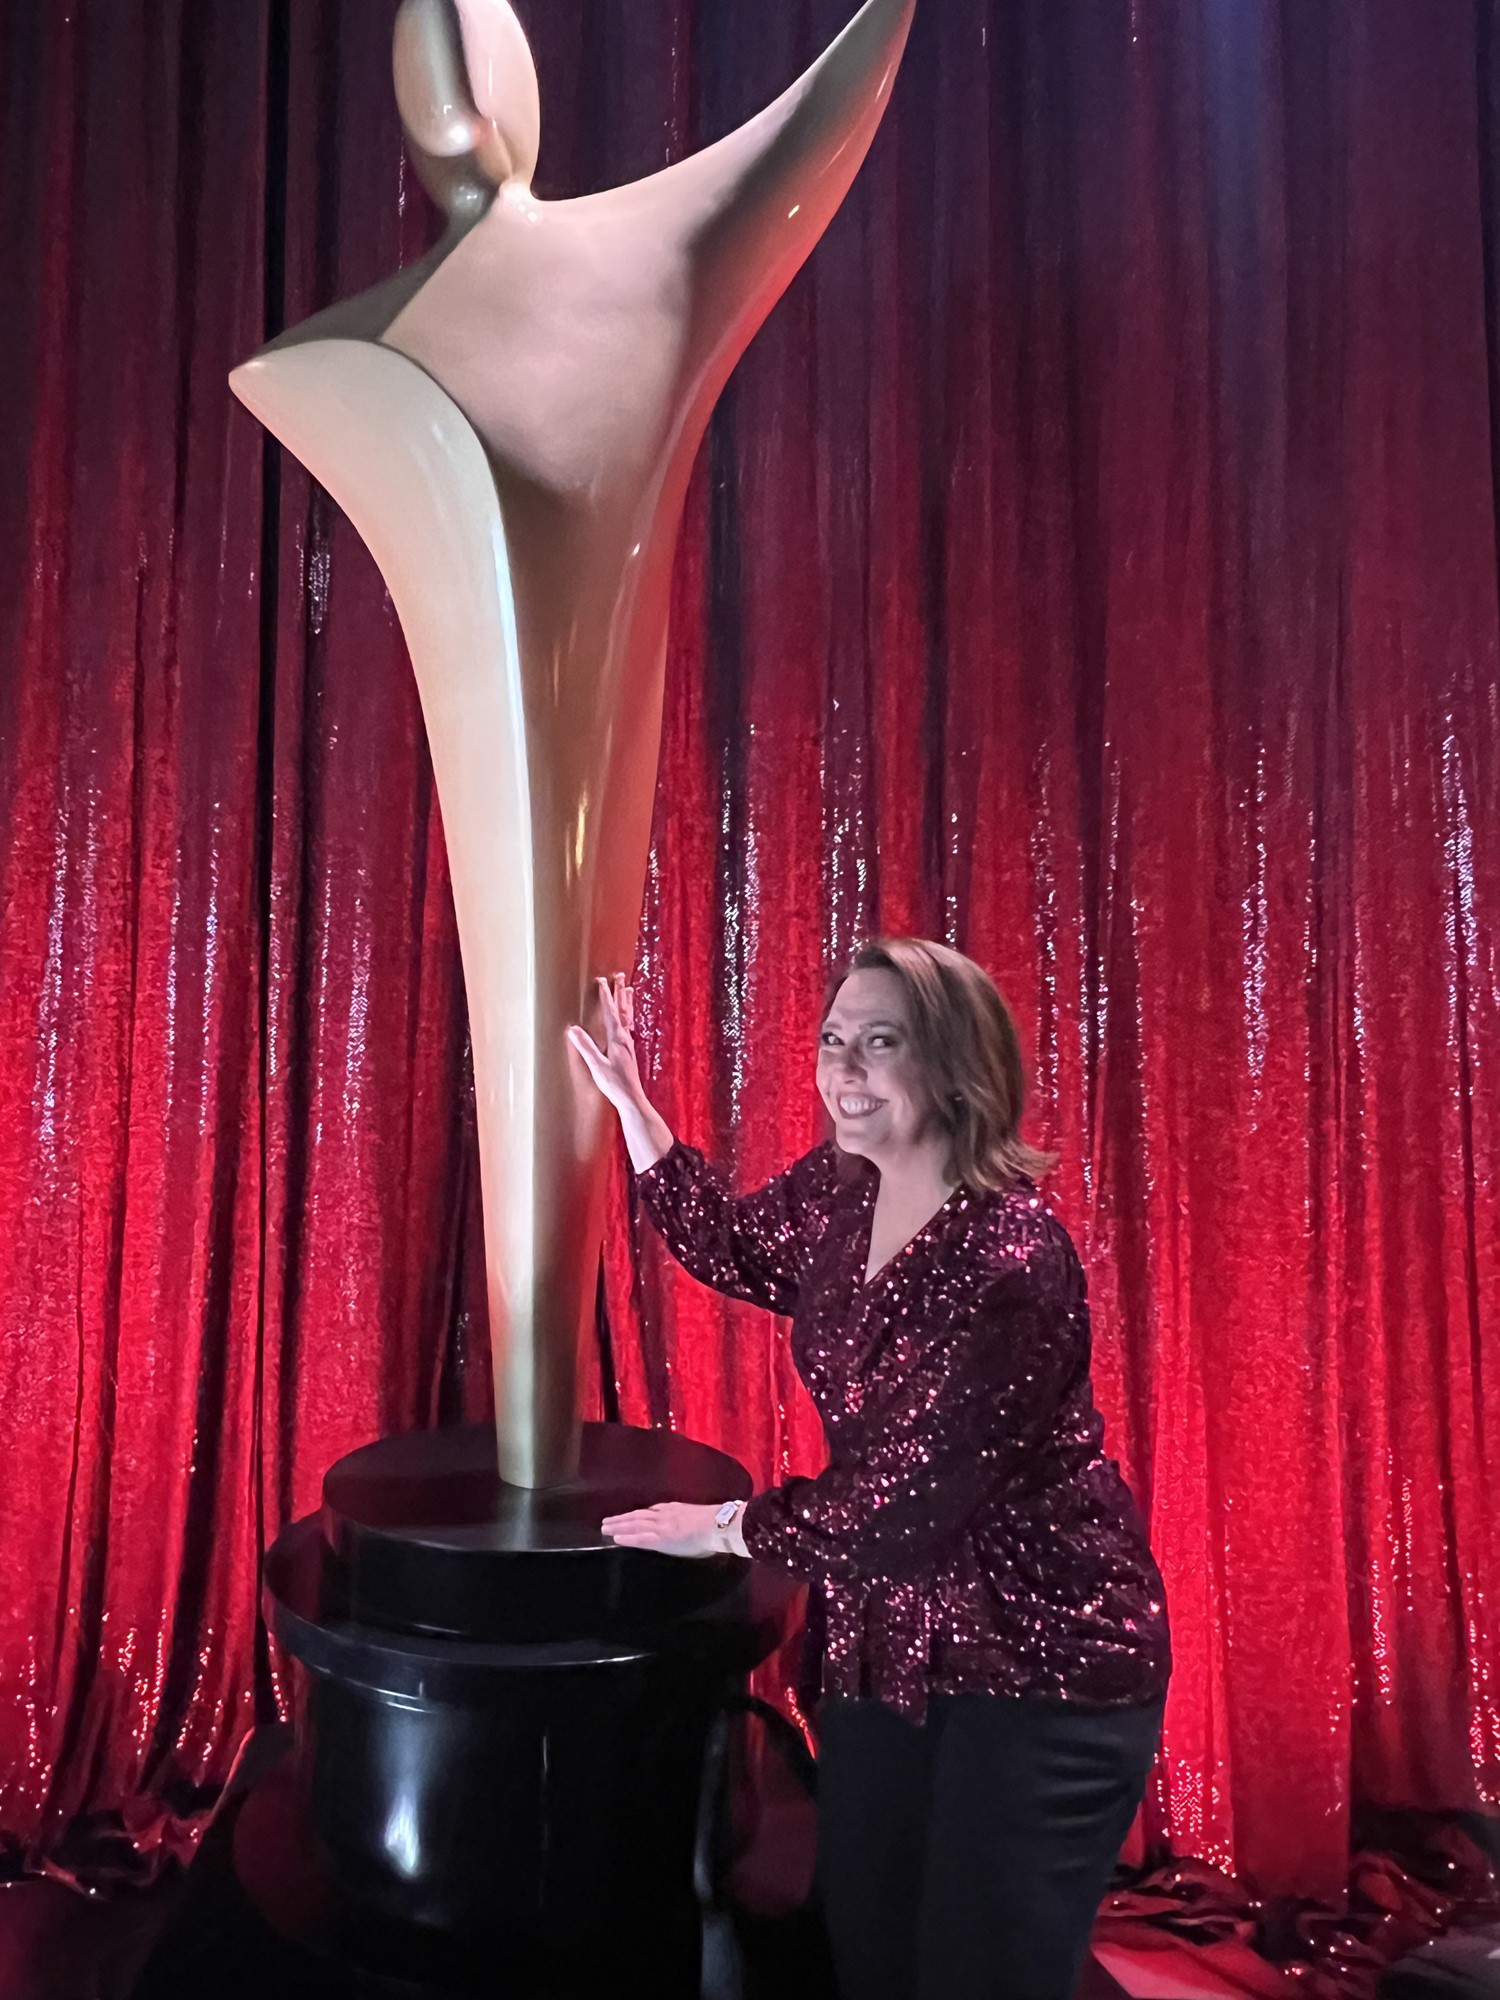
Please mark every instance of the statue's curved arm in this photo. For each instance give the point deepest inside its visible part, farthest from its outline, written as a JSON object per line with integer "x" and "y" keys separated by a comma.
{"x": 785, "y": 172}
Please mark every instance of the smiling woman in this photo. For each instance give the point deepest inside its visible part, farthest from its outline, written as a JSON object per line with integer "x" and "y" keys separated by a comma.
{"x": 996, "y": 1651}
{"x": 918, "y": 1057}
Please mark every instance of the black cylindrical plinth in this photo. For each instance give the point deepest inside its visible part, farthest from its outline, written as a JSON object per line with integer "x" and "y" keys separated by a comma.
{"x": 539, "y": 1792}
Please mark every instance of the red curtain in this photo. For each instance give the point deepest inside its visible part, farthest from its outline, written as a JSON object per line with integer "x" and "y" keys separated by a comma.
{"x": 1094, "y": 564}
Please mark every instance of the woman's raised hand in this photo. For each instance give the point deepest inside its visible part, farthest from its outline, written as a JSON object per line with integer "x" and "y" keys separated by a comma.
{"x": 614, "y": 1071}
{"x": 613, "y": 1067}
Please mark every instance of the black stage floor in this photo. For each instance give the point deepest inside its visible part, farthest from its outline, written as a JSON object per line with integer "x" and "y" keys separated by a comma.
{"x": 198, "y": 1937}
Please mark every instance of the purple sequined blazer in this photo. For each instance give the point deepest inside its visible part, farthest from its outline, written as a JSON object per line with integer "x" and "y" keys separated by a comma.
{"x": 968, "y": 1535}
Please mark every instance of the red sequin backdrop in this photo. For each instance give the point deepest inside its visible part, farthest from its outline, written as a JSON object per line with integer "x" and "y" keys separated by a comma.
{"x": 1094, "y": 564}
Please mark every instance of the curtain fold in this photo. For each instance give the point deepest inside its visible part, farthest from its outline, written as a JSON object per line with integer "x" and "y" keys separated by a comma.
{"x": 1093, "y": 564}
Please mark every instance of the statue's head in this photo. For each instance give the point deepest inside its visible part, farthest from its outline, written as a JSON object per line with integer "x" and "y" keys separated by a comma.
{"x": 466, "y": 85}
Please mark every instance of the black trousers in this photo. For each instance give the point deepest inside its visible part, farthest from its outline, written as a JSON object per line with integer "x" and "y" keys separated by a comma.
{"x": 966, "y": 1858}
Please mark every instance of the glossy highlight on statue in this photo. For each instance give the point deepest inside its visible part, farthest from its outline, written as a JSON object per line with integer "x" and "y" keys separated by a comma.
{"x": 511, "y": 425}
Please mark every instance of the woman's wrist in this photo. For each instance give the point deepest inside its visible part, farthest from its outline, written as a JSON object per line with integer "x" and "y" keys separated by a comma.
{"x": 648, "y": 1137}
{"x": 730, "y": 1522}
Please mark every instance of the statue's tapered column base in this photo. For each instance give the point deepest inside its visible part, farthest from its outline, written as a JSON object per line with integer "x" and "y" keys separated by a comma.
{"x": 528, "y": 1793}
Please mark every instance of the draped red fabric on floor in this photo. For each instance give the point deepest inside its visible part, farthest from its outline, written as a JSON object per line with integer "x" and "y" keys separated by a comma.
{"x": 1094, "y": 564}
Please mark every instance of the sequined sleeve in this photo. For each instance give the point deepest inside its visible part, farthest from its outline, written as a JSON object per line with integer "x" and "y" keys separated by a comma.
{"x": 937, "y": 1446}
{"x": 751, "y": 1246}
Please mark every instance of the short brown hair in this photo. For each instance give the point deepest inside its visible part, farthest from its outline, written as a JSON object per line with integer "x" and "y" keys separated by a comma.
{"x": 965, "y": 1038}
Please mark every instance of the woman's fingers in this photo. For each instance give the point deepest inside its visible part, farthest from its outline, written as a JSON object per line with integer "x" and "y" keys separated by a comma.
{"x": 611, "y": 1011}
{"x": 618, "y": 1002}
{"x": 646, "y": 1528}
{"x": 593, "y": 1055}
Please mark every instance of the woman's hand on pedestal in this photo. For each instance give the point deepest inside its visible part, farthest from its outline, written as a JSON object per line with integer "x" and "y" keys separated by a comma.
{"x": 676, "y": 1528}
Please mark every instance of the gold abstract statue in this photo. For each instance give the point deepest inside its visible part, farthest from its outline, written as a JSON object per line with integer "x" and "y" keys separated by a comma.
{"x": 511, "y": 424}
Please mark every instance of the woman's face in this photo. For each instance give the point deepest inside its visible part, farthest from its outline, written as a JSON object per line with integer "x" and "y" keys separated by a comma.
{"x": 868, "y": 1073}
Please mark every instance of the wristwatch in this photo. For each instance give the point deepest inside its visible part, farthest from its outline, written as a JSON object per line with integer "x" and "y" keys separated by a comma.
{"x": 725, "y": 1519}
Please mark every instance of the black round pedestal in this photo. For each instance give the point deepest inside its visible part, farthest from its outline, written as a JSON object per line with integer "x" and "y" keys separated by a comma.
{"x": 428, "y": 1538}
{"x": 532, "y": 1787}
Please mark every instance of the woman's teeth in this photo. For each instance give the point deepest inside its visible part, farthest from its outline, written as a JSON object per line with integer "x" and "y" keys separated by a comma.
{"x": 858, "y": 1107}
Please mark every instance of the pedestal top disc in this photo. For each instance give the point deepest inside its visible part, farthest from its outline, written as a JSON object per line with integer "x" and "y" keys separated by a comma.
{"x": 428, "y": 1538}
